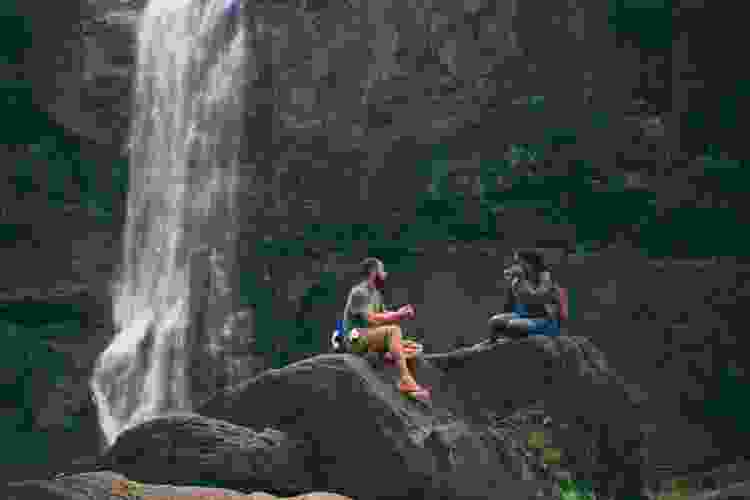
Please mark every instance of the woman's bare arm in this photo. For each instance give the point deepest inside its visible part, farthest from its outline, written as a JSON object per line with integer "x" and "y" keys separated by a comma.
{"x": 544, "y": 293}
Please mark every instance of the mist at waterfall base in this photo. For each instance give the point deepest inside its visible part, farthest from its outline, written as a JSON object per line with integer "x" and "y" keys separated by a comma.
{"x": 173, "y": 296}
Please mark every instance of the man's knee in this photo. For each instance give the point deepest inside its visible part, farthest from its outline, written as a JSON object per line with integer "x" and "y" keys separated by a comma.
{"x": 386, "y": 332}
{"x": 393, "y": 331}
{"x": 380, "y": 337}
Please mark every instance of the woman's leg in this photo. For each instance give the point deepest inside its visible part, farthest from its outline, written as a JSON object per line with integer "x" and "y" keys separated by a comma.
{"x": 544, "y": 327}
{"x": 519, "y": 327}
{"x": 500, "y": 321}
{"x": 510, "y": 325}
{"x": 388, "y": 339}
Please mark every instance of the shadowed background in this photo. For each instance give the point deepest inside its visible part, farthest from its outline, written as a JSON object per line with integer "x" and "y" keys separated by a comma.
{"x": 603, "y": 131}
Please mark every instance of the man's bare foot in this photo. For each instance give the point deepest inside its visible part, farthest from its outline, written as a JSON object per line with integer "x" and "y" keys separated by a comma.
{"x": 413, "y": 390}
{"x": 412, "y": 349}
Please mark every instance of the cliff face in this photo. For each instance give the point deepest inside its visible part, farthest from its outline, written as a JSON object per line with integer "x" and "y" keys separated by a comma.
{"x": 82, "y": 68}
{"x": 362, "y": 73}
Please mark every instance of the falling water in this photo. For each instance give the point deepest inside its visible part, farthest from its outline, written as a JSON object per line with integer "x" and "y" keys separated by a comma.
{"x": 173, "y": 295}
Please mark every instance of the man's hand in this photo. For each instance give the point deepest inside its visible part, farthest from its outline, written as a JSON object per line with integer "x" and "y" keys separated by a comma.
{"x": 407, "y": 311}
{"x": 412, "y": 312}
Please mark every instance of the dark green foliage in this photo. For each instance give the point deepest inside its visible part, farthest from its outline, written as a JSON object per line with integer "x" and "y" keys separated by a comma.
{"x": 30, "y": 370}
{"x": 52, "y": 319}
{"x": 45, "y": 163}
{"x": 310, "y": 338}
{"x": 11, "y": 233}
{"x": 16, "y": 33}
{"x": 55, "y": 167}
{"x": 47, "y": 160}
{"x": 535, "y": 177}
{"x": 730, "y": 403}
{"x": 648, "y": 22}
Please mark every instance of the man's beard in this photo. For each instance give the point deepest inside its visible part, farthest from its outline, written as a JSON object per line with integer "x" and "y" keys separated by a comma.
{"x": 379, "y": 283}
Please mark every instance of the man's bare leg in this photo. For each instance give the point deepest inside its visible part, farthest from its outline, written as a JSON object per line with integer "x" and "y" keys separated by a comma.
{"x": 388, "y": 339}
{"x": 411, "y": 364}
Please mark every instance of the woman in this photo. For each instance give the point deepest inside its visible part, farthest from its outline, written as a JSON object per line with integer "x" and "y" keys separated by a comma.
{"x": 533, "y": 303}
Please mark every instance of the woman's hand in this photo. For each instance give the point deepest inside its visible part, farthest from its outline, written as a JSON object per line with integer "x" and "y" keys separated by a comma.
{"x": 513, "y": 273}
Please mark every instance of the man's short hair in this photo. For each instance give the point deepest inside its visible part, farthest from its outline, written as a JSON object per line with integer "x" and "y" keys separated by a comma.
{"x": 369, "y": 265}
{"x": 534, "y": 257}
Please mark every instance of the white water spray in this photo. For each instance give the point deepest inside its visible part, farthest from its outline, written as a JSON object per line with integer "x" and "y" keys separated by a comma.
{"x": 173, "y": 297}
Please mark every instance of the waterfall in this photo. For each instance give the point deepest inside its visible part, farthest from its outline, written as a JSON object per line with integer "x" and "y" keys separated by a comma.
{"x": 173, "y": 296}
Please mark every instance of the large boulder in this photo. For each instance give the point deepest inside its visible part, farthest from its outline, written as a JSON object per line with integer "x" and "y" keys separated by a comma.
{"x": 106, "y": 485}
{"x": 372, "y": 442}
{"x": 579, "y": 390}
{"x": 100, "y": 485}
{"x": 188, "y": 449}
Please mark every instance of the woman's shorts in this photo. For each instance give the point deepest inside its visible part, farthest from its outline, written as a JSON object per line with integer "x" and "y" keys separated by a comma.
{"x": 547, "y": 327}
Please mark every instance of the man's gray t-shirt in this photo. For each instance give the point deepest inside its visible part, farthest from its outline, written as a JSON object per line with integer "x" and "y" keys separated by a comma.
{"x": 363, "y": 300}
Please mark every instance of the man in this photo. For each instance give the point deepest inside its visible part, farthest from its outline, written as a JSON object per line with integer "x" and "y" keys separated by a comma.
{"x": 368, "y": 327}
{"x": 532, "y": 305}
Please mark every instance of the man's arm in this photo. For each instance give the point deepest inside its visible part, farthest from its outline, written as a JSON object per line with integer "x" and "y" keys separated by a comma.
{"x": 359, "y": 308}
{"x": 359, "y": 303}
{"x": 545, "y": 293}
{"x": 388, "y": 317}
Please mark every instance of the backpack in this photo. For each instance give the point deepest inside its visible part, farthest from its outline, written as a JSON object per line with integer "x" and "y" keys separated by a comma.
{"x": 338, "y": 338}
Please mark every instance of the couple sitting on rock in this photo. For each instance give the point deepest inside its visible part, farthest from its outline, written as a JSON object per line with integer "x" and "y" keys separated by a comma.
{"x": 534, "y": 306}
